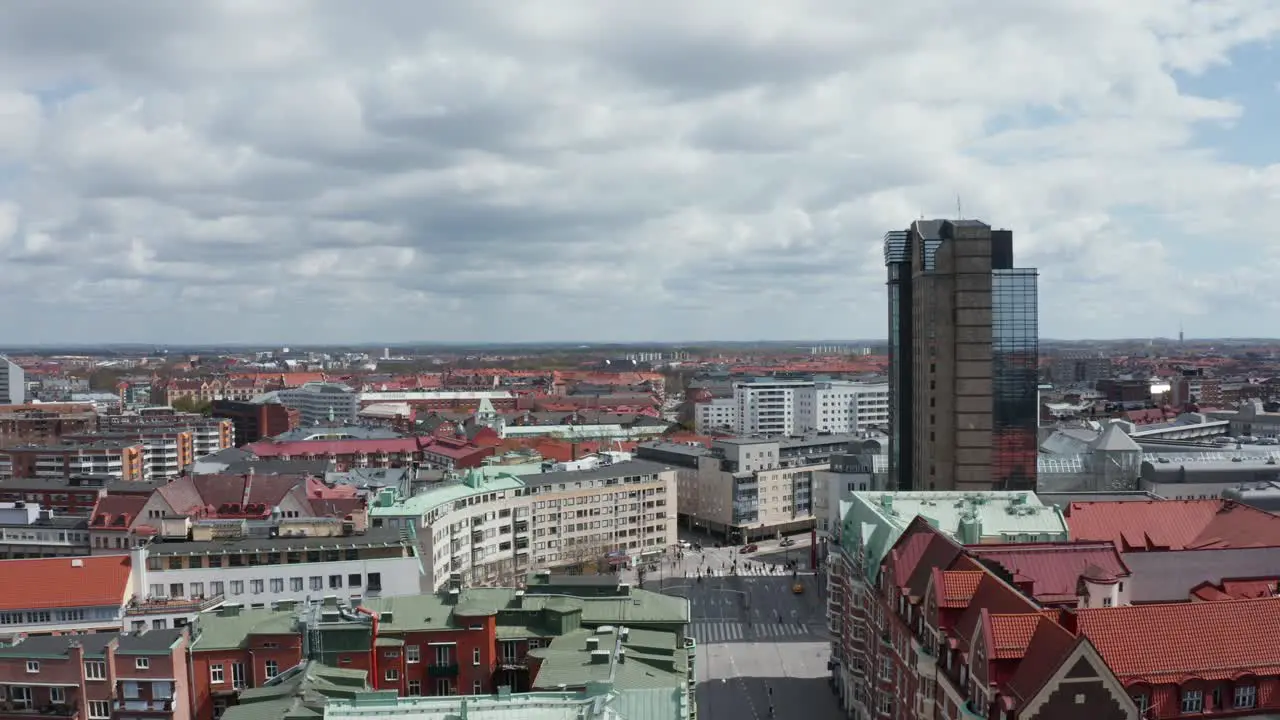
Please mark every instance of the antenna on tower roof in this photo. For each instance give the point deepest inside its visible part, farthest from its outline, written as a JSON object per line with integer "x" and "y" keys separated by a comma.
{"x": 959, "y": 211}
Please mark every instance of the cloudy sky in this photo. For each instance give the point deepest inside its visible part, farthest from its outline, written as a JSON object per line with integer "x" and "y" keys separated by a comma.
{"x": 289, "y": 171}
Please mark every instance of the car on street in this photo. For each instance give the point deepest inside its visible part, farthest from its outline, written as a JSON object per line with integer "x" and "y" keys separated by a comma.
{"x": 684, "y": 544}
{"x": 748, "y": 549}
{"x": 787, "y": 542}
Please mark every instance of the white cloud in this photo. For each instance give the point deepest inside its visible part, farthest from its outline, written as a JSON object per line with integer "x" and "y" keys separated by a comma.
{"x": 563, "y": 169}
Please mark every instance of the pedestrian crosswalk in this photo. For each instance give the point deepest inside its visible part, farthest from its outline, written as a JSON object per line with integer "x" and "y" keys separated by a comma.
{"x": 725, "y": 631}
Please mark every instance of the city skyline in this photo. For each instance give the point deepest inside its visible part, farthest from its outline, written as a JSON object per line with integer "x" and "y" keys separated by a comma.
{"x": 558, "y": 171}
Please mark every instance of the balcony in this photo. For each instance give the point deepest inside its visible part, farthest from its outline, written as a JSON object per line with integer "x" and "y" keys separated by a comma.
{"x": 172, "y": 606}
{"x": 165, "y": 705}
{"x": 438, "y": 670}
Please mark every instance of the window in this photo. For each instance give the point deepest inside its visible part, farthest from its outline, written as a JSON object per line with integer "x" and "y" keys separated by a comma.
{"x": 477, "y": 687}
{"x": 392, "y": 675}
{"x": 255, "y": 587}
{"x": 238, "y": 677}
{"x": 295, "y": 584}
{"x": 197, "y": 589}
{"x": 215, "y": 674}
{"x": 443, "y": 687}
{"x": 335, "y": 582}
{"x": 95, "y": 670}
{"x": 1106, "y": 602}
{"x": 1246, "y": 696}
{"x": 142, "y": 664}
{"x": 442, "y": 655}
{"x": 277, "y": 585}
{"x": 271, "y": 669}
{"x": 1140, "y": 701}
{"x": 475, "y": 656}
{"x": 1192, "y": 701}
{"x": 216, "y": 588}
{"x": 317, "y": 582}
{"x": 415, "y": 687}
{"x": 353, "y": 580}
{"x": 157, "y": 590}
{"x": 375, "y": 582}
{"x": 237, "y": 587}
{"x": 33, "y": 666}
{"x": 412, "y": 654}
{"x": 57, "y": 695}
{"x": 99, "y": 709}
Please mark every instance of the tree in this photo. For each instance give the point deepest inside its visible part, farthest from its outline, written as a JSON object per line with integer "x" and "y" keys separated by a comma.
{"x": 190, "y": 404}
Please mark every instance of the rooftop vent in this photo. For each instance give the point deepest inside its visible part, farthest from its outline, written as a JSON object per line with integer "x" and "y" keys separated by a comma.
{"x": 622, "y": 655}
{"x": 386, "y": 616}
{"x": 604, "y": 630}
{"x": 593, "y": 643}
{"x": 599, "y": 657}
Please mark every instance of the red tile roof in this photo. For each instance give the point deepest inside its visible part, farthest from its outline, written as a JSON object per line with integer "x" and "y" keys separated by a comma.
{"x": 955, "y": 588}
{"x": 47, "y": 583}
{"x": 992, "y": 596}
{"x": 1169, "y": 643}
{"x": 1174, "y": 524}
{"x": 1236, "y": 589}
{"x": 1007, "y": 636}
{"x": 1049, "y": 646}
{"x": 111, "y": 508}
{"x": 1053, "y": 570}
{"x": 302, "y": 448}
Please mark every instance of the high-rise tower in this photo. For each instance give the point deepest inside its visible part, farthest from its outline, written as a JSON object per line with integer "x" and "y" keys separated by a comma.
{"x": 963, "y": 353}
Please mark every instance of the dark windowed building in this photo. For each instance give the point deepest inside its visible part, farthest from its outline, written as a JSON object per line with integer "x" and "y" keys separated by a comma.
{"x": 963, "y": 354}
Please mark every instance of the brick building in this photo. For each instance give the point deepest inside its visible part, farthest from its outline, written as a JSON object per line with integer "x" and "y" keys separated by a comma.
{"x": 255, "y": 421}
{"x": 105, "y": 675}
{"x": 120, "y": 459}
{"x": 45, "y": 421}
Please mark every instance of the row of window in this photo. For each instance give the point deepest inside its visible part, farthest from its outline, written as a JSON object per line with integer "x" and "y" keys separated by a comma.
{"x": 257, "y": 587}
{"x": 251, "y": 559}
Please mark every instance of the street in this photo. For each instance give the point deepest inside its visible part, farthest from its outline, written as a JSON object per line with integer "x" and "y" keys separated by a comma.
{"x": 759, "y": 644}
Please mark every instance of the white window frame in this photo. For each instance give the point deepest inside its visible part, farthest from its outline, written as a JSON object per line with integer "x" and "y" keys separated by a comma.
{"x": 217, "y": 674}
{"x": 1191, "y": 701}
{"x": 270, "y": 669}
{"x": 58, "y": 695}
{"x": 475, "y": 656}
{"x": 1245, "y": 697}
{"x": 477, "y": 687}
{"x": 33, "y": 666}
{"x": 391, "y": 675}
{"x": 95, "y": 670}
{"x": 142, "y": 663}
{"x": 102, "y": 708}
{"x": 412, "y": 654}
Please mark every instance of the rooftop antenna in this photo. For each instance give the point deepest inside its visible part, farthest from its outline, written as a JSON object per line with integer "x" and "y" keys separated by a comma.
{"x": 959, "y": 211}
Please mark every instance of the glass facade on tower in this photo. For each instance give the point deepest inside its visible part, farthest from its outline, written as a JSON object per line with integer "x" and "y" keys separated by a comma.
{"x": 897, "y": 259}
{"x": 1015, "y": 351}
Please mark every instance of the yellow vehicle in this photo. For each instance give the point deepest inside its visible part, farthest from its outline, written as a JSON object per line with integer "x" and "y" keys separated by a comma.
{"x": 798, "y": 588}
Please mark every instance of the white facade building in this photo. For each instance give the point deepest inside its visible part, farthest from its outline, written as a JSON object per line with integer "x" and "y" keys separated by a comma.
{"x": 796, "y": 407}
{"x": 716, "y": 414}
{"x": 260, "y": 571}
{"x": 320, "y": 403}
{"x": 494, "y": 530}
{"x": 13, "y": 383}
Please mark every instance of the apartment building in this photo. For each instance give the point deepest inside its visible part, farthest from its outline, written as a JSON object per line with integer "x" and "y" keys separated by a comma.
{"x": 964, "y": 357}
{"x": 715, "y": 414}
{"x": 27, "y": 531}
{"x": 768, "y": 406}
{"x": 749, "y": 488}
{"x": 289, "y": 565}
{"x": 347, "y": 453}
{"x": 45, "y": 421}
{"x": 492, "y": 529}
{"x": 121, "y": 460}
{"x": 165, "y": 451}
{"x": 208, "y": 435}
{"x": 95, "y": 677}
{"x": 13, "y": 383}
{"x": 319, "y": 403}
{"x": 442, "y": 647}
{"x": 420, "y": 400}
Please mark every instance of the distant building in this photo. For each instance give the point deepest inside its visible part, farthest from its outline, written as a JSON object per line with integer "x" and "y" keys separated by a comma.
{"x": 257, "y": 419}
{"x": 321, "y": 402}
{"x": 13, "y": 383}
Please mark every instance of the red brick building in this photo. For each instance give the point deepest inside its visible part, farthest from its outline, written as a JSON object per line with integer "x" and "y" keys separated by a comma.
{"x": 347, "y": 454}
{"x": 451, "y": 453}
{"x": 106, "y": 675}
